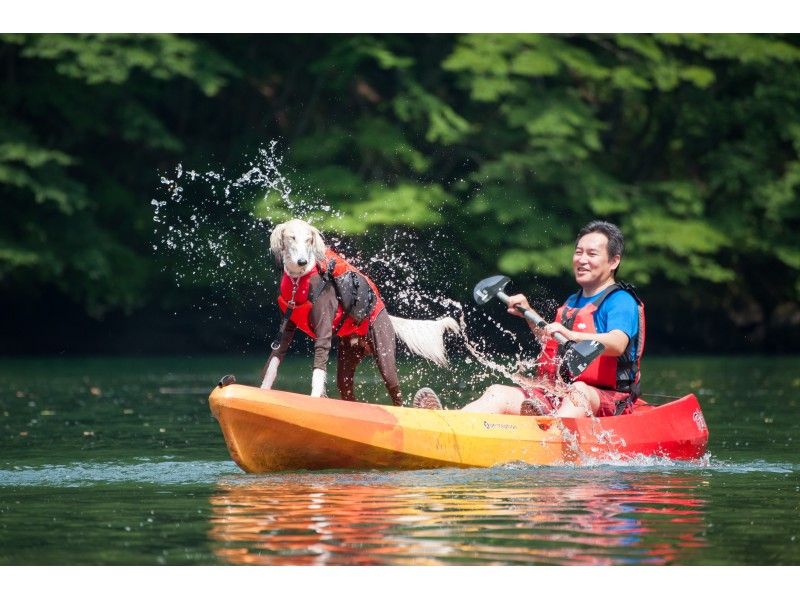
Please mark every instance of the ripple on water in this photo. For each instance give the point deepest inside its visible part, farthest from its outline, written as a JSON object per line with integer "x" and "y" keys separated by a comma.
{"x": 169, "y": 472}
{"x": 111, "y": 472}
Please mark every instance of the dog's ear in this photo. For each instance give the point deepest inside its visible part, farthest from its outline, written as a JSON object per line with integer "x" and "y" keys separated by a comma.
{"x": 319, "y": 244}
{"x": 276, "y": 243}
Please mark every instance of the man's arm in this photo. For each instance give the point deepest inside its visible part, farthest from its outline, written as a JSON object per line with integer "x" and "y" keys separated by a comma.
{"x": 618, "y": 317}
{"x": 615, "y": 341}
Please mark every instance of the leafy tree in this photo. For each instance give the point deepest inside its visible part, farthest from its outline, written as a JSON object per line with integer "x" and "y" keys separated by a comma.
{"x": 503, "y": 144}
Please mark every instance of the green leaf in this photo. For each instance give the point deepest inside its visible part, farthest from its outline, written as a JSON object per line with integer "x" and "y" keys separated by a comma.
{"x": 625, "y": 77}
{"x": 404, "y": 205}
{"x": 534, "y": 63}
{"x": 547, "y": 262}
{"x": 700, "y": 76}
{"x": 32, "y": 155}
{"x": 444, "y": 124}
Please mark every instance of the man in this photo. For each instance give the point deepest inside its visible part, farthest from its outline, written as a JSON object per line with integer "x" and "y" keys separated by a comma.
{"x": 602, "y": 310}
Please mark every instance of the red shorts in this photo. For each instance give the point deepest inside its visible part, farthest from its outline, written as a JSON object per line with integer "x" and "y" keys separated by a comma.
{"x": 609, "y": 399}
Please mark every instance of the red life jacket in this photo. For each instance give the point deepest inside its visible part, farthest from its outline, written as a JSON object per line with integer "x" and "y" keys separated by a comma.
{"x": 296, "y": 293}
{"x": 615, "y": 373}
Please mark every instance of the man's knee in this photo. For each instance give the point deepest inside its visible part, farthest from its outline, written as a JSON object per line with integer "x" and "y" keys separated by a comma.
{"x": 496, "y": 391}
{"x": 586, "y": 394}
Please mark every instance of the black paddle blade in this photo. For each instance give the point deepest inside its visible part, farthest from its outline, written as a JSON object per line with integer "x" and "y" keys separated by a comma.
{"x": 578, "y": 356}
{"x": 488, "y": 288}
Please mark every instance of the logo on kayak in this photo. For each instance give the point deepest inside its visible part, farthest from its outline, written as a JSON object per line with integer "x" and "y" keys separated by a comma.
{"x": 581, "y": 325}
{"x": 490, "y": 426}
{"x": 699, "y": 420}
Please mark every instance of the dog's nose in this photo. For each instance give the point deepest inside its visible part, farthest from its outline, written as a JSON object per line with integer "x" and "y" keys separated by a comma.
{"x": 302, "y": 262}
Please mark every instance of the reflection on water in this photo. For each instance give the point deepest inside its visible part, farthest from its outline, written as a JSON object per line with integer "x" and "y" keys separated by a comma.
{"x": 526, "y": 516}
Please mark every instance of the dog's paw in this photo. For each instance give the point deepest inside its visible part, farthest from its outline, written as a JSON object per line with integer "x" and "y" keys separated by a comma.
{"x": 318, "y": 383}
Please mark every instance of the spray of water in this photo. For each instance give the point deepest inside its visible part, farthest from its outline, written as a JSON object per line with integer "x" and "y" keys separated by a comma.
{"x": 211, "y": 228}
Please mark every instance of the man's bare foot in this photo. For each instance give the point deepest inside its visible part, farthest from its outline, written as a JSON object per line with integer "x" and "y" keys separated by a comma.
{"x": 531, "y": 407}
{"x": 426, "y": 399}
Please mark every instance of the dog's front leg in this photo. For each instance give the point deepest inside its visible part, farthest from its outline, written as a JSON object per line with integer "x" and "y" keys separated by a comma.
{"x": 271, "y": 373}
{"x": 321, "y": 320}
{"x": 318, "y": 377}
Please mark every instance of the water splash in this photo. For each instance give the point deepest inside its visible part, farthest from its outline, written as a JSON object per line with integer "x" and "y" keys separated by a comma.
{"x": 211, "y": 233}
{"x": 211, "y": 229}
{"x": 215, "y": 226}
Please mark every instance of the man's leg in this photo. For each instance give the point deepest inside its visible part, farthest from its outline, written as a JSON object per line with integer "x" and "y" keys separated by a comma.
{"x": 580, "y": 400}
{"x": 498, "y": 398}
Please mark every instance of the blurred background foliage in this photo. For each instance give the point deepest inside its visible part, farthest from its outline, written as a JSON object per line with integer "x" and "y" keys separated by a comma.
{"x": 502, "y": 144}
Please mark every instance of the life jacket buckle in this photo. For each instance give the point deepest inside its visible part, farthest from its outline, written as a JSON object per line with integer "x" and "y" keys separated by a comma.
{"x": 291, "y": 304}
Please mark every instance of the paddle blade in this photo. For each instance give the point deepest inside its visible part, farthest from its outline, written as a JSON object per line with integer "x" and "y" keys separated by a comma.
{"x": 488, "y": 288}
{"x": 578, "y": 356}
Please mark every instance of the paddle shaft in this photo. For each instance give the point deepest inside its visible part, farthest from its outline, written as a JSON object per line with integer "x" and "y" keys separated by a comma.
{"x": 533, "y": 317}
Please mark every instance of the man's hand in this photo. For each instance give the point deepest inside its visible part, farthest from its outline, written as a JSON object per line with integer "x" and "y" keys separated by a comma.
{"x": 554, "y": 327}
{"x": 514, "y": 301}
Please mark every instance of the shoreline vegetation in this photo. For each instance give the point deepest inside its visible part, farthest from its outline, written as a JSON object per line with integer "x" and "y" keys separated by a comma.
{"x": 487, "y": 150}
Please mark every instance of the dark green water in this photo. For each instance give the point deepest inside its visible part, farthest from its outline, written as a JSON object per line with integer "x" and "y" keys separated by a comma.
{"x": 118, "y": 461}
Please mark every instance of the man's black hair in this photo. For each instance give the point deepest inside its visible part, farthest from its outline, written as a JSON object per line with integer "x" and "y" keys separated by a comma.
{"x": 616, "y": 242}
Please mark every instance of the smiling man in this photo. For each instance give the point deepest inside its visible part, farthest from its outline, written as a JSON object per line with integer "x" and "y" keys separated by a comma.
{"x": 602, "y": 310}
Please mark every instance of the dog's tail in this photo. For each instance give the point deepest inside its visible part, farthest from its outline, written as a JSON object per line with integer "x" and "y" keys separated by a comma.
{"x": 425, "y": 337}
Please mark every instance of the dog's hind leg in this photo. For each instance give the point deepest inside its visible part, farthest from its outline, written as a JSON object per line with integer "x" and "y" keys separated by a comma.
{"x": 348, "y": 357}
{"x": 384, "y": 343}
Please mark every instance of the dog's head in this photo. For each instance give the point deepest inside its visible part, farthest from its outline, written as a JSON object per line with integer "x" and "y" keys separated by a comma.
{"x": 297, "y": 246}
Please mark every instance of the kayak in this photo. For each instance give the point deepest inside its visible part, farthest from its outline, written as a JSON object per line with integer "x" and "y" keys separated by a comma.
{"x": 273, "y": 430}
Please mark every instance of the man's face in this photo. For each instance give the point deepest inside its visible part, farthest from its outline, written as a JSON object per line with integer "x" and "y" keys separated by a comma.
{"x": 590, "y": 262}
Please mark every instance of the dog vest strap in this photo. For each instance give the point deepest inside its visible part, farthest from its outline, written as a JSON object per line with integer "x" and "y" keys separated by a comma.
{"x": 287, "y": 314}
{"x": 327, "y": 278}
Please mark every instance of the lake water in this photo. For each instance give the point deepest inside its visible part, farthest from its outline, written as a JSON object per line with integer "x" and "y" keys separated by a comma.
{"x": 118, "y": 461}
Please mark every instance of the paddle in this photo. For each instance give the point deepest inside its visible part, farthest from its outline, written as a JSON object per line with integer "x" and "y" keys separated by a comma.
{"x": 577, "y": 356}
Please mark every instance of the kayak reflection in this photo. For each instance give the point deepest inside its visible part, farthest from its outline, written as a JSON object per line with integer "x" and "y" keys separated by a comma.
{"x": 525, "y": 518}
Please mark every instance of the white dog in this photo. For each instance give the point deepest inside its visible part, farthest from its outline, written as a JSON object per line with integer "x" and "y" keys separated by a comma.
{"x": 325, "y": 296}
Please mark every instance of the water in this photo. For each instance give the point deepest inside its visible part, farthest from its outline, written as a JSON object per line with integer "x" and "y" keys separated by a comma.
{"x": 118, "y": 461}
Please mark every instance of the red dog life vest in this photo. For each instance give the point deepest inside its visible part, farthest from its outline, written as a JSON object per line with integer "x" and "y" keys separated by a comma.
{"x": 297, "y": 290}
{"x": 616, "y": 373}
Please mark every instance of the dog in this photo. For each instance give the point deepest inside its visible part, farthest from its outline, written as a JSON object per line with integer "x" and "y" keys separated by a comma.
{"x": 325, "y": 296}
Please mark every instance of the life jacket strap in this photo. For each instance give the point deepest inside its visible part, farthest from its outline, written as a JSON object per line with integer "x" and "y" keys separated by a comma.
{"x": 327, "y": 278}
{"x": 634, "y": 392}
{"x": 275, "y": 345}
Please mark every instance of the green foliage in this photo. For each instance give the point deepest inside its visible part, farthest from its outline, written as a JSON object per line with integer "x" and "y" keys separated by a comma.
{"x": 76, "y": 111}
{"x": 113, "y": 58}
{"x": 407, "y": 205}
{"x": 505, "y": 142}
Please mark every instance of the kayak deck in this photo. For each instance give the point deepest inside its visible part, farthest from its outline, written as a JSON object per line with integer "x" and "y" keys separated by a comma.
{"x": 271, "y": 430}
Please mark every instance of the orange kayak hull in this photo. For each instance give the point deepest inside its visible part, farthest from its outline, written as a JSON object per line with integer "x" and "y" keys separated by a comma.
{"x": 271, "y": 430}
